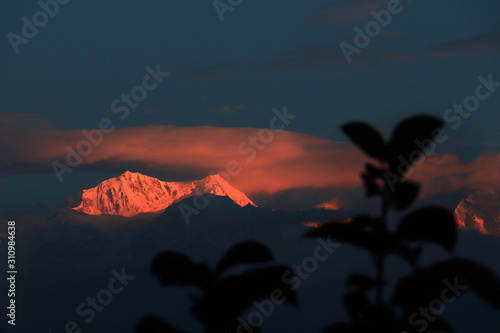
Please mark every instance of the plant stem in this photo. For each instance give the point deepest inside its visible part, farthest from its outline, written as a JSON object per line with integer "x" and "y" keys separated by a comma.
{"x": 380, "y": 277}
{"x": 380, "y": 259}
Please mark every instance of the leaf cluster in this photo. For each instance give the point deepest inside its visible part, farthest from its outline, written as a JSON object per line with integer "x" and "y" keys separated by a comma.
{"x": 428, "y": 224}
{"x": 224, "y": 298}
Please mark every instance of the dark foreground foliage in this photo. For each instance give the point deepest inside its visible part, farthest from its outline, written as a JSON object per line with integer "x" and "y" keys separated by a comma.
{"x": 225, "y": 298}
{"x": 425, "y": 286}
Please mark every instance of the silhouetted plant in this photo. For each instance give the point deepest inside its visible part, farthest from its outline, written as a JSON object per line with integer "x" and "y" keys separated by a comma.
{"x": 224, "y": 297}
{"x": 430, "y": 224}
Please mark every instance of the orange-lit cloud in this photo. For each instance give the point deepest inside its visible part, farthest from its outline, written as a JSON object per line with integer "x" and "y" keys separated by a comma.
{"x": 287, "y": 161}
{"x": 290, "y": 160}
{"x": 445, "y": 174}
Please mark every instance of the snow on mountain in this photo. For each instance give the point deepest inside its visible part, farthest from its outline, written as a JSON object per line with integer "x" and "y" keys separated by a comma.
{"x": 133, "y": 193}
{"x": 481, "y": 212}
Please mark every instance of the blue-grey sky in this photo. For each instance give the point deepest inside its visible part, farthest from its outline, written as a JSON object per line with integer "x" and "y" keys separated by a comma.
{"x": 232, "y": 73}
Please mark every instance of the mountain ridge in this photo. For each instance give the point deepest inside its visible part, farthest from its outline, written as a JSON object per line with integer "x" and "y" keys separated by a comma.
{"x": 480, "y": 212}
{"x": 133, "y": 193}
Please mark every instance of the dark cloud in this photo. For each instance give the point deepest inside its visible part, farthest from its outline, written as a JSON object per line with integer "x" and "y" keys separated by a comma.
{"x": 210, "y": 72}
{"x": 344, "y": 13}
{"x": 400, "y": 56}
{"x": 311, "y": 59}
{"x": 488, "y": 43}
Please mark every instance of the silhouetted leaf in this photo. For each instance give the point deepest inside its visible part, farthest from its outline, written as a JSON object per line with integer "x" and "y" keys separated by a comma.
{"x": 418, "y": 289}
{"x": 377, "y": 319}
{"x": 374, "y": 171}
{"x": 368, "y": 233}
{"x": 361, "y": 281}
{"x": 367, "y": 138}
{"x": 368, "y": 223}
{"x": 482, "y": 280}
{"x": 404, "y": 194}
{"x": 411, "y": 255}
{"x": 360, "y": 232}
{"x": 437, "y": 325}
{"x": 446, "y": 279}
{"x": 370, "y": 185}
{"x": 175, "y": 268}
{"x": 431, "y": 224}
{"x": 151, "y": 324}
{"x": 408, "y": 139}
{"x": 356, "y": 302}
{"x": 343, "y": 328}
{"x": 382, "y": 317}
{"x": 232, "y": 295}
{"x": 244, "y": 253}
{"x": 441, "y": 325}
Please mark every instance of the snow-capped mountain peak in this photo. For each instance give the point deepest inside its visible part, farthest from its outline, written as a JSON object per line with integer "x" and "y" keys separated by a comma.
{"x": 133, "y": 193}
{"x": 481, "y": 212}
